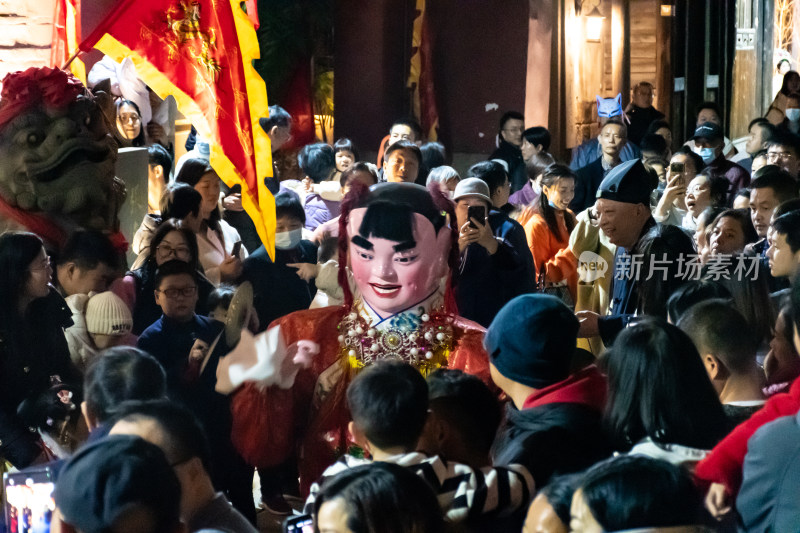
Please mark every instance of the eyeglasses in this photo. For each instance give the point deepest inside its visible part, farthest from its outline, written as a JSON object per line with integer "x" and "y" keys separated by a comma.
{"x": 173, "y": 293}
{"x": 129, "y": 117}
{"x": 167, "y": 250}
{"x": 697, "y": 190}
{"x": 46, "y": 265}
{"x": 783, "y": 156}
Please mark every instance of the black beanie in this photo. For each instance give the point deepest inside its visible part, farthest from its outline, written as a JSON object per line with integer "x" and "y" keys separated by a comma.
{"x": 532, "y": 340}
{"x": 629, "y": 182}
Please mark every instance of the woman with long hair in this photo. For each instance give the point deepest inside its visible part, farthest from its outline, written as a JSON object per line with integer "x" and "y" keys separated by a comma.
{"x": 172, "y": 240}
{"x": 660, "y": 277}
{"x": 548, "y": 230}
{"x": 777, "y": 109}
{"x": 731, "y": 231}
{"x": 33, "y": 350}
{"x": 660, "y": 400}
{"x": 216, "y": 238}
{"x": 130, "y": 130}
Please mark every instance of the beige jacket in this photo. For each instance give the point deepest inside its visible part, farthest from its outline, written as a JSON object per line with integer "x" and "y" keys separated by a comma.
{"x": 593, "y": 291}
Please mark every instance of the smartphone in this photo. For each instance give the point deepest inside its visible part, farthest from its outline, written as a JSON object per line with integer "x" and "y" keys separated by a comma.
{"x": 237, "y": 247}
{"x": 29, "y": 501}
{"x": 677, "y": 168}
{"x": 478, "y": 212}
{"x": 299, "y": 524}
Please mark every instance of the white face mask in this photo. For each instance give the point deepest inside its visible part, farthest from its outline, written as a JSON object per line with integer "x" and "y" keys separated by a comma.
{"x": 286, "y": 240}
{"x": 707, "y": 154}
{"x": 793, "y": 114}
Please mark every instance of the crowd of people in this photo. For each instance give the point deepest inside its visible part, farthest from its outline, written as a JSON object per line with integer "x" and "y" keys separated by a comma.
{"x": 605, "y": 344}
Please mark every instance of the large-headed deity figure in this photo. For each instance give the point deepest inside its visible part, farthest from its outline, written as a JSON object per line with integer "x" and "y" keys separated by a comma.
{"x": 397, "y": 248}
{"x": 56, "y": 156}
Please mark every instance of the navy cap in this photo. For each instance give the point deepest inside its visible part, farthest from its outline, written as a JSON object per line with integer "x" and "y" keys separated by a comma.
{"x": 629, "y": 182}
{"x": 710, "y": 131}
{"x": 532, "y": 340}
{"x": 110, "y": 476}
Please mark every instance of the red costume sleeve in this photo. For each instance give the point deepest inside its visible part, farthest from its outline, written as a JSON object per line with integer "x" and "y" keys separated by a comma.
{"x": 724, "y": 463}
{"x": 272, "y": 425}
{"x": 267, "y": 424}
{"x": 468, "y": 353}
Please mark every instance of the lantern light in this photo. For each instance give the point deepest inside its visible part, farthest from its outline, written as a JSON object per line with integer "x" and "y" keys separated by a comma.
{"x": 594, "y": 25}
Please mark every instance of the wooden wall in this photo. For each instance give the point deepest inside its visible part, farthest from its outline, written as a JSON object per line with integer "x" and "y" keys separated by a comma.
{"x": 634, "y": 47}
{"x": 644, "y": 16}
{"x": 650, "y": 50}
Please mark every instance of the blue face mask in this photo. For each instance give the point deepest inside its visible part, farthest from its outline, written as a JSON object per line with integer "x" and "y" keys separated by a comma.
{"x": 286, "y": 240}
{"x": 707, "y": 154}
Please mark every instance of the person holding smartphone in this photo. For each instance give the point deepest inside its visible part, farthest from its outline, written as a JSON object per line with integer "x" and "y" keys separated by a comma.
{"x": 484, "y": 256}
{"x": 671, "y": 208}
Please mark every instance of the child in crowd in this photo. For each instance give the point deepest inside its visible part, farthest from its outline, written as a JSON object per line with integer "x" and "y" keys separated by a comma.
{"x": 462, "y": 420}
{"x": 346, "y": 155}
{"x": 105, "y": 321}
{"x": 389, "y": 404}
{"x": 365, "y": 173}
{"x": 189, "y": 347}
{"x": 318, "y": 192}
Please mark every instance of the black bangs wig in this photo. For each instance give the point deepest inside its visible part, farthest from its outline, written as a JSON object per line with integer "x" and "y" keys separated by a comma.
{"x": 390, "y": 215}
{"x": 386, "y": 220}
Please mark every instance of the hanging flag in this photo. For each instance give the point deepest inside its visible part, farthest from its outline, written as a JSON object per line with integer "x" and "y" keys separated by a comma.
{"x": 251, "y": 6}
{"x": 420, "y": 76}
{"x": 201, "y": 52}
{"x": 66, "y": 37}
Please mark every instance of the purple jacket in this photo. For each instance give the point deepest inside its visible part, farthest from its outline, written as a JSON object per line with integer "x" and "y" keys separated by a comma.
{"x": 318, "y": 210}
{"x": 525, "y": 196}
{"x": 736, "y": 175}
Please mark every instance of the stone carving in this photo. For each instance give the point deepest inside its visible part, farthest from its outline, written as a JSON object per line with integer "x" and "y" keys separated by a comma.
{"x": 57, "y": 155}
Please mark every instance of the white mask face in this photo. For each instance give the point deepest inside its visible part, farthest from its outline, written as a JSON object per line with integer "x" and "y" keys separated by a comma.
{"x": 286, "y": 240}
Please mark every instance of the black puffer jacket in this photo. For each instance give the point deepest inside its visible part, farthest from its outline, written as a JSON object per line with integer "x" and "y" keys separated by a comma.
{"x": 32, "y": 353}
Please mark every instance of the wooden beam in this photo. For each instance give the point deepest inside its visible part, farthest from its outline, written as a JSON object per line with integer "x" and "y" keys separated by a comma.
{"x": 664, "y": 83}
{"x": 537, "y": 78}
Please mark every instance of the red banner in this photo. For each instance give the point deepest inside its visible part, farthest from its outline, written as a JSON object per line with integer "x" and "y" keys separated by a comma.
{"x": 420, "y": 76}
{"x": 201, "y": 52}
{"x": 66, "y": 36}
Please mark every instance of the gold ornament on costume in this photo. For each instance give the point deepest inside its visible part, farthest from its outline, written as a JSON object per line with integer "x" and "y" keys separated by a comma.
{"x": 426, "y": 347}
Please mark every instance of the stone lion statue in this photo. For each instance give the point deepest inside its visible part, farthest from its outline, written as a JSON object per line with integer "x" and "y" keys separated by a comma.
{"x": 57, "y": 156}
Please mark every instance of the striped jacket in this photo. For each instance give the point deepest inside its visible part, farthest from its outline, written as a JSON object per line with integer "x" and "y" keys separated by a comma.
{"x": 462, "y": 491}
